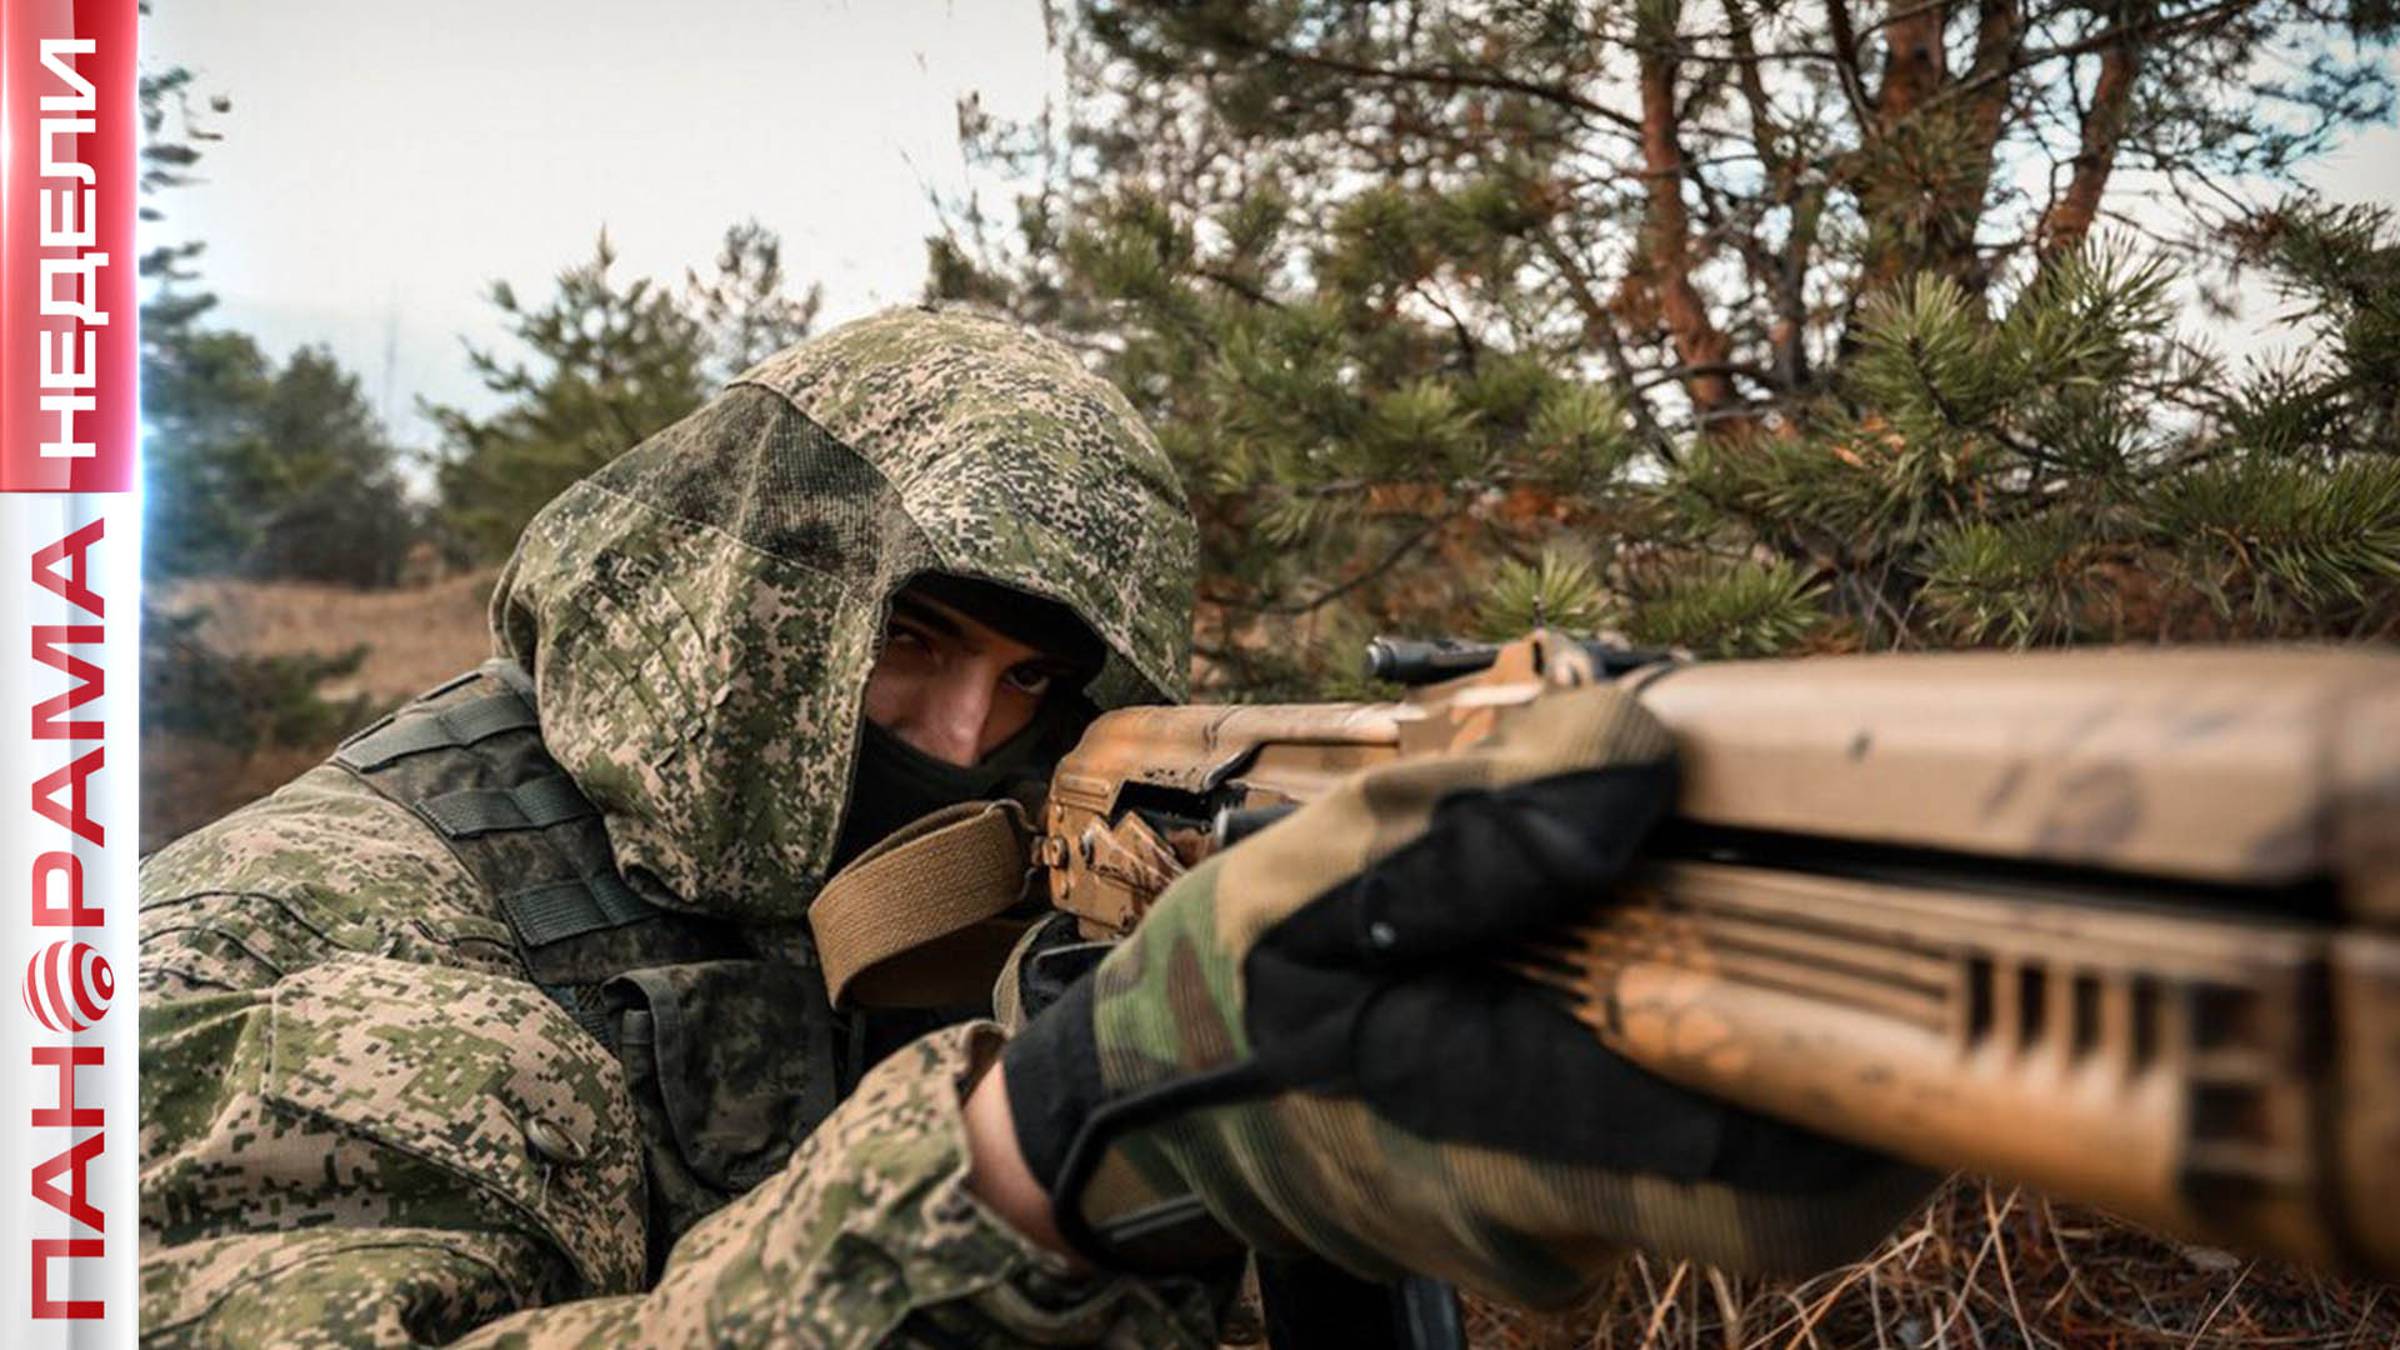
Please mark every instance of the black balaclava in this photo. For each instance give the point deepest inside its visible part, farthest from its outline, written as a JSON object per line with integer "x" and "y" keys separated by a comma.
{"x": 896, "y": 783}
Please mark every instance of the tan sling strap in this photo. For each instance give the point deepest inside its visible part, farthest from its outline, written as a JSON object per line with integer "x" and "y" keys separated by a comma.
{"x": 915, "y": 921}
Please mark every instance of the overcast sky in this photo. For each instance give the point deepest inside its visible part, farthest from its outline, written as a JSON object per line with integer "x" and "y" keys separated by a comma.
{"x": 384, "y": 162}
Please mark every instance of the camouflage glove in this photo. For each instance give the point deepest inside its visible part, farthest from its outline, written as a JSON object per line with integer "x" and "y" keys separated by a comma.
{"x": 1313, "y": 1039}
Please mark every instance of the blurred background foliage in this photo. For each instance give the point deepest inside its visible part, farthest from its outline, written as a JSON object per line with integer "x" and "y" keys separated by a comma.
{"x": 613, "y": 361}
{"x": 1740, "y": 327}
{"x": 1749, "y": 328}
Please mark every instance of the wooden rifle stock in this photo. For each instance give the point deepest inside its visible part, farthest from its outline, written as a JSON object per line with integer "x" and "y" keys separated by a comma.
{"x": 2120, "y": 925}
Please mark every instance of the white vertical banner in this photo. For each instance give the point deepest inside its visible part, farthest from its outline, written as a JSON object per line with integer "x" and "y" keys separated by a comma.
{"x": 69, "y": 799}
{"x": 70, "y": 613}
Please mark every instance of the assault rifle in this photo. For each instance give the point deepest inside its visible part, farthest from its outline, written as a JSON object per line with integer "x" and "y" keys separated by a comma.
{"x": 2123, "y": 926}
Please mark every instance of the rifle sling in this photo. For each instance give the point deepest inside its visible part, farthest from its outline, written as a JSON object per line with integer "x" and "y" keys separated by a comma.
{"x": 918, "y": 920}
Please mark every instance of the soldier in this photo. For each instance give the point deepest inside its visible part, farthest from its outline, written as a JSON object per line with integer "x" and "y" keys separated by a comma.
{"x": 507, "y": 1023}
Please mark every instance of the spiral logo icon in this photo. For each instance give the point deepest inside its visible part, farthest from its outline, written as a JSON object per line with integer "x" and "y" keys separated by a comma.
{"x": 68, "y": 986}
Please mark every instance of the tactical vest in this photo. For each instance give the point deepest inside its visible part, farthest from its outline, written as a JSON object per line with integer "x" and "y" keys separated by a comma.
{"x": 732, "y": 1057}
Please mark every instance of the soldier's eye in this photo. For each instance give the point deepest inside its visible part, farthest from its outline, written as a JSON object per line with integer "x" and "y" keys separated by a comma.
{"x": 1030, "y": 680}
{"x": 901, "y": 636}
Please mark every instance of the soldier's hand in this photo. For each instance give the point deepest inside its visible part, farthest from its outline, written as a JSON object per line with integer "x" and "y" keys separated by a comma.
{"x": 1312, "y": 1040}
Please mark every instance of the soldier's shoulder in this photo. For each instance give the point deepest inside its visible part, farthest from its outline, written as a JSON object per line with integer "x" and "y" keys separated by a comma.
{"x": 323, "y": 828}
{"x": 324, "y": 866}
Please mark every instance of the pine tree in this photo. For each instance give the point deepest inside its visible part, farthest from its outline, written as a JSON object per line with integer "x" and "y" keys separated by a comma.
{"x": 617, "y": 363}
{"x": 744, "y": 307}
{"x": 1747, "y": 329}
{"x": 253, "y": 469}
{"x": 334, "y": 508}
{"x": 612, "y": 363}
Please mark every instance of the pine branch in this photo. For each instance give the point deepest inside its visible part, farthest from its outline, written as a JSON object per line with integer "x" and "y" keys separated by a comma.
{"x": 1440, "y": 78}
{"x": 1845, "y": 60}
{"x": 1374, "y": 570}
{"x": 1666, "y": 237}
{"x": 2145, "y": 31}
{"x": 1599, "y": 324}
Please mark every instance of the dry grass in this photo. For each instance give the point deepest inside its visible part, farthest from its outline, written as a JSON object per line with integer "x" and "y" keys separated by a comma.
{"x": 415, "y": 638}
{"x": 188, "y": 782}
{"x": 1982, "y": 1266}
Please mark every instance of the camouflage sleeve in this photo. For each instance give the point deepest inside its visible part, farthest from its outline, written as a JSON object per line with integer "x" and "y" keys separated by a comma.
{"x": 374, "y": 1152}
{"x": 869, "y": 1237}
{"x": 324, "y": 868}
{"x": 361, "y": 1125}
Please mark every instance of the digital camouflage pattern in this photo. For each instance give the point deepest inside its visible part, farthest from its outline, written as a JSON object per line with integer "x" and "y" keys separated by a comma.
{"x": 363, "y": 1124}
{"x": 807, "y": 1258}
{"x": 323, "y": 867}
{"x": 1021, "y": 468}
{"x": 376, "y": 1102}
{"x": 1326, "y": 1172}
{"x": 699, "y": 616}
{"x": 869, "y": 1237}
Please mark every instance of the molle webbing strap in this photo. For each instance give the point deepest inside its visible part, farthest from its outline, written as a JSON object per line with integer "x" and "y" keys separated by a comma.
{"x": 565, "y": 909}
{"x": 532, "y": 805}
{"x": 550, "y": 885}
{"x": 916, "y": 921}
{"x": 589, "y": 1013}
{"x": 460, "y": 724}
{"x": 467, "y": 759}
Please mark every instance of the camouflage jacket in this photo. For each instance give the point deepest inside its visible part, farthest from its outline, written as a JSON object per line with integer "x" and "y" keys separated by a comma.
{"x": 363, "y": 1123}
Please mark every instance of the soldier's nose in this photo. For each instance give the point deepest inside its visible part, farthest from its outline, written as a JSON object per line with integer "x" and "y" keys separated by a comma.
{"x": 951, "y": 728}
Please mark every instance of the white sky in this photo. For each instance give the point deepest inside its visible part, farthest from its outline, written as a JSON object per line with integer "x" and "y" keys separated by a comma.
{"x": 384, "y": 162}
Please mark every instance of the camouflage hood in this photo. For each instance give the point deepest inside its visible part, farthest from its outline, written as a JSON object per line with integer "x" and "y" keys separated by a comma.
{"x": 700, "y": 615}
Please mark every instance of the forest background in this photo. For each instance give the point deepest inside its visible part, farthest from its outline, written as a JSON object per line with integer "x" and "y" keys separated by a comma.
{"x": 1752, "y": 327}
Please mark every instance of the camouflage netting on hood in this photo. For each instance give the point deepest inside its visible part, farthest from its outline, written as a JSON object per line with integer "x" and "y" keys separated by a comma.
{"x": 701, "y": 614}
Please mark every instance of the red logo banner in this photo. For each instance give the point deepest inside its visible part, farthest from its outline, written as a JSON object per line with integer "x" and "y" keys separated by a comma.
{"x": 69, "y": 358}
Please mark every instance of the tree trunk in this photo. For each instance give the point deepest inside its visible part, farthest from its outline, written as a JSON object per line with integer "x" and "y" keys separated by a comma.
{"x": 2069, "y": 219}
{"x": 1699, "y": 346}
